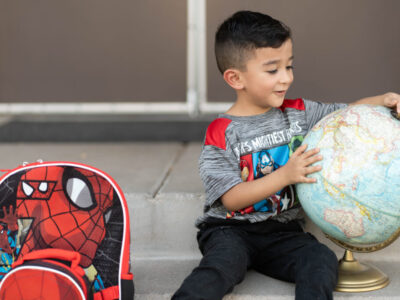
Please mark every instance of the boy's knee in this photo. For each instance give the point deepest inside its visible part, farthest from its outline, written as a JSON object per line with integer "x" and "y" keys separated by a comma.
{"x": 226, "y": 254}
{"x": 318, "y": 258}
{"x": 326, "y": 256}
{"x": 232, "y": 264}
{"x": 323, "y": 264}
{"x": 317, "y": 276}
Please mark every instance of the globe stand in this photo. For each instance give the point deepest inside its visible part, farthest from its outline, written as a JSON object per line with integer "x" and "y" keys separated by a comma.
{"x": 359, "y": 277}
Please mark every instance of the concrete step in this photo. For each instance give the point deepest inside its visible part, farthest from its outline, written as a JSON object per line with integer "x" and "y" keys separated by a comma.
{"x": 159, "y": 278}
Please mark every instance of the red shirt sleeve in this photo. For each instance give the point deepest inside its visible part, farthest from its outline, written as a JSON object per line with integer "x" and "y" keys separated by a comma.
{"x": 215, "y": 135}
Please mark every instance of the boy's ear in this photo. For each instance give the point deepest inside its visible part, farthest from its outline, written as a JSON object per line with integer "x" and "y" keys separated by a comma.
{"x": 233, "y": 78}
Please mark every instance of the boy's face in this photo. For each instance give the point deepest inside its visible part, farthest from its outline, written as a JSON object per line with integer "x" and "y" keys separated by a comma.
{"x": 268, "y": 76}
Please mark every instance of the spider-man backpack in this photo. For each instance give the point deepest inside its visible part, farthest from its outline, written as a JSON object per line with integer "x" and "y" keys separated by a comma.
{"x": 64, "y": 234}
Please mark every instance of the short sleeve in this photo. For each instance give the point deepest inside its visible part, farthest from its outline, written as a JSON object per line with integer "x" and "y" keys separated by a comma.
{"x": 315, "y": 111}
{"x": 219, "y": 166}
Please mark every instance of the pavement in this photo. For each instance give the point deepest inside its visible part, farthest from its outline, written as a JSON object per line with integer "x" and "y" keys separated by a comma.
{"x": 165, "y": 195}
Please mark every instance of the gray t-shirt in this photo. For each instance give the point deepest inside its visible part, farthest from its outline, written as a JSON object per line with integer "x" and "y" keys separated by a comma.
{"x": 238, "y": 149}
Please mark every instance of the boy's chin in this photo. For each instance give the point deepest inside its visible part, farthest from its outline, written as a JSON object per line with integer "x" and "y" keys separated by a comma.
{"x": 277, "y": 102}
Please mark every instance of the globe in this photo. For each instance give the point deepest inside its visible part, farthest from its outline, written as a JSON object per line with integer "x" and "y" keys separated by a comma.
{"x": 356, "y": 199}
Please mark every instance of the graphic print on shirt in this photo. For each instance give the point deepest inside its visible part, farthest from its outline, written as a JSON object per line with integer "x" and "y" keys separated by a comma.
{"x": 262, "y": 163}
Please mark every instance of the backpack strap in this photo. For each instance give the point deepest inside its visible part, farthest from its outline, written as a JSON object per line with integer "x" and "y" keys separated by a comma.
{"x": 51, "y": 253}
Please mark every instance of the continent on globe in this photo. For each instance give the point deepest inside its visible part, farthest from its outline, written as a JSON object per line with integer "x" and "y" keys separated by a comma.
{"x": 346, "y": 221}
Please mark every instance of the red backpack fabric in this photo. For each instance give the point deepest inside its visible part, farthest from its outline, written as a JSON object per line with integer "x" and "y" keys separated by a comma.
{"x": 64, "y": 227}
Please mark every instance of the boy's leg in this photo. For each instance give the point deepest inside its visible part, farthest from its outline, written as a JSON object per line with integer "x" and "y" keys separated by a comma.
{"x": 299, "y": 257}
{"x": 226, "y": 258}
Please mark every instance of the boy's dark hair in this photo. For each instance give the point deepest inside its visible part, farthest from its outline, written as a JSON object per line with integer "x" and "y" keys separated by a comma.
{"x": 243, "y": 32}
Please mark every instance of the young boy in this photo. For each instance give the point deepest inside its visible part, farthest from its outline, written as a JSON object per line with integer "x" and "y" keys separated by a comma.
{"x": 251, "y": 218}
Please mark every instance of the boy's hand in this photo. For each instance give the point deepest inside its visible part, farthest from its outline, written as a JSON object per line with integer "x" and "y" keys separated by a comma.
{"x": 299, "y": 165}
{"x": 391, "y": 100}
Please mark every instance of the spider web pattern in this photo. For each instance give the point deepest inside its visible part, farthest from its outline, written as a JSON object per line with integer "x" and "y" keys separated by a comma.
{"x": 8, "y": 191}
{"x": 109, "y": 252}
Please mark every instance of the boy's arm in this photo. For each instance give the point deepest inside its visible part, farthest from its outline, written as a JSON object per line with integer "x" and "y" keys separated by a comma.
{"x": 294, "y": 171}
{"x": 391, "y": 100}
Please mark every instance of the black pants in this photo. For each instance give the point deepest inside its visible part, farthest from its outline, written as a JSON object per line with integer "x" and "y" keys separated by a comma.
{"x": 288, "y": 254}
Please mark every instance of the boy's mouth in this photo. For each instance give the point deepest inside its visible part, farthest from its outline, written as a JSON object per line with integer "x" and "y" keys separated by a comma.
{"x": 280, "y": 93}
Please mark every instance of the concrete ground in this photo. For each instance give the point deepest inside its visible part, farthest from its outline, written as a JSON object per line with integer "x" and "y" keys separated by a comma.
{"x": 165, "y": 195}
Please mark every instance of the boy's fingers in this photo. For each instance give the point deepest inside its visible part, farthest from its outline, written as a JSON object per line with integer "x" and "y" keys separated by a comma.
{"x": 309, "y": 180}
{"x": 313, "y": 169}
{"x": 311, "y": 152}
{"x": 300, "y": 150}
{"x": 392, "y": 100}
{"x": 313, "y": 159}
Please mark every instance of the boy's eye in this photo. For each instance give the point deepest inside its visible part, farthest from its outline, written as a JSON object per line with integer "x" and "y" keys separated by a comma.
{"x": 276, "y": 70}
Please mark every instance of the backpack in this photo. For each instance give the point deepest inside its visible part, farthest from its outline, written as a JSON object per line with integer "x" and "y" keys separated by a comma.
{"x": 64, "y": 234}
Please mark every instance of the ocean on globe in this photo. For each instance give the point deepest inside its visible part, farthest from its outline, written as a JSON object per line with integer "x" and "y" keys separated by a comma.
{"x": 356, "y": 198}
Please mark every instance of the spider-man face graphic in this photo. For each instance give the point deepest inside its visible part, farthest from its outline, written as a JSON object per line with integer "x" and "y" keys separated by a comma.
{"x": 67, "y": 206}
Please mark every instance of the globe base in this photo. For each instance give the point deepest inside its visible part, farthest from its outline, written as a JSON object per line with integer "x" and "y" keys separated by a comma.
{"x": 355, "y": 277}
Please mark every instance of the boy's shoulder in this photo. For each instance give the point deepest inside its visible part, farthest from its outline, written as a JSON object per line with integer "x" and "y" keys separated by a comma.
{"x": 216, "y": 133}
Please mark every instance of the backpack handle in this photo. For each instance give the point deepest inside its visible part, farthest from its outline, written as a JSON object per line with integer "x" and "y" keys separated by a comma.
{"x": 51, "y": 253}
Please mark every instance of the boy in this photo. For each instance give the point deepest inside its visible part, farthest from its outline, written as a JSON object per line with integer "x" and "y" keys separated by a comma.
{"x": 251, "y": 217}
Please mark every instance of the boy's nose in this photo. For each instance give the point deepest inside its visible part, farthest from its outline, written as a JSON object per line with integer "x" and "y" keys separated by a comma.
{"x": 286, "y": 77}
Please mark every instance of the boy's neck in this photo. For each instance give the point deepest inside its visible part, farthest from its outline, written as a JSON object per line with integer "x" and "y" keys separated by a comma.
{"x": 242, "y": 108}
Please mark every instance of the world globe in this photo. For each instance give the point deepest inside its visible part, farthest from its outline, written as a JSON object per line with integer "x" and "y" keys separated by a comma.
{"x": 356, "y": 199}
